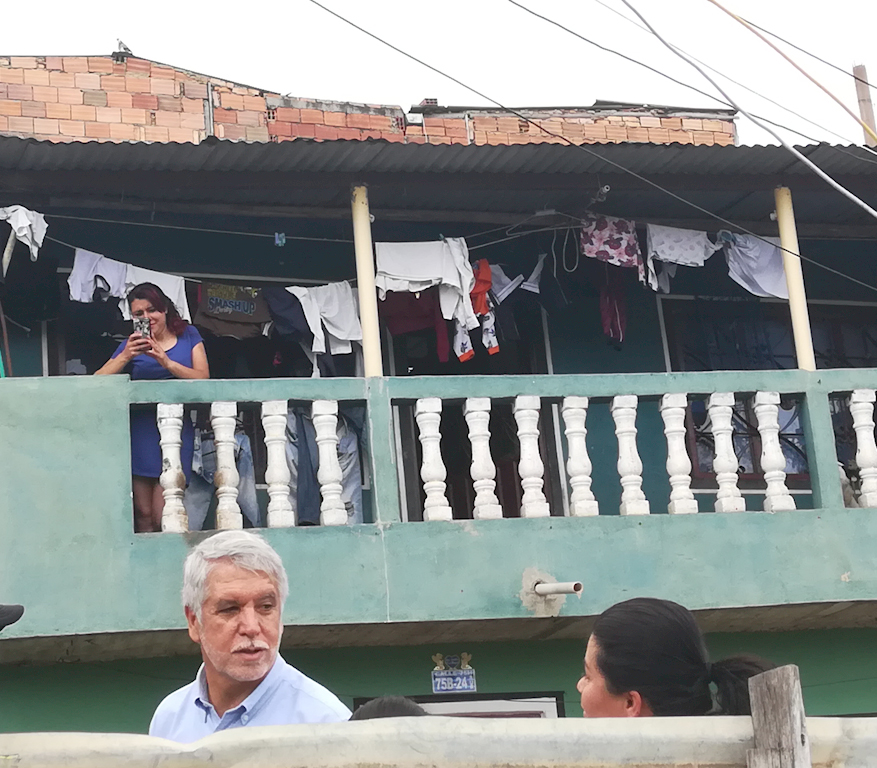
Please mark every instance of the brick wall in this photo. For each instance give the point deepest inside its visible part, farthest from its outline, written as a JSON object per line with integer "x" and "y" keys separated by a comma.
{"x": 102, "y": 98}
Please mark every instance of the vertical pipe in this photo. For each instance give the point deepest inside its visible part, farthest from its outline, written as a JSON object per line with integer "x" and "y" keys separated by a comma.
{"x": 794, "y": 279}
{"x": 866, "y": 108}
{"x": 365, "y": 282}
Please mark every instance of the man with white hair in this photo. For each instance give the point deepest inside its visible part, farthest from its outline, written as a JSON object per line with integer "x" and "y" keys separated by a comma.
{"x": 234, "y": 588}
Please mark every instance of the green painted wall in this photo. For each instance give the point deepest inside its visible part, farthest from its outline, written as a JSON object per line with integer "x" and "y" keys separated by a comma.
{"x": 838, "y": 670}
{"x": 65, "y": 522}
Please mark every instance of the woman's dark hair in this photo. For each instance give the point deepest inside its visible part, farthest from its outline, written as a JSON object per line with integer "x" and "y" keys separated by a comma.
{"x": 388, "y": 706}
{"x": 655, "y": 647}
{"x": 155, "y": 296}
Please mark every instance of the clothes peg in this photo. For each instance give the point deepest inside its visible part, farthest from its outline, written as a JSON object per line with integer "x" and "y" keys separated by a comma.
{"x": 279, "y": 239}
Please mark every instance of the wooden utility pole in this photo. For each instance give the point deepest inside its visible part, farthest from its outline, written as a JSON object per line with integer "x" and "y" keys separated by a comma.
{"x": 866, "y": 108}
{"x": 778, "y": 720}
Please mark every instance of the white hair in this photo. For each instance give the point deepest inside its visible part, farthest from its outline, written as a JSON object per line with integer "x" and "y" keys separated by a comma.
{"x": 245, "y": 550}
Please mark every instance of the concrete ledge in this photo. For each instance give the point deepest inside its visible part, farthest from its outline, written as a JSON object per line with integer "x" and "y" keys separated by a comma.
{"x": 719, "y": 742}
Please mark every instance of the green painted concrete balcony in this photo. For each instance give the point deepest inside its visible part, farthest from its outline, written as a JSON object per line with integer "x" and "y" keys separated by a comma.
{"x": 720, "y": 490}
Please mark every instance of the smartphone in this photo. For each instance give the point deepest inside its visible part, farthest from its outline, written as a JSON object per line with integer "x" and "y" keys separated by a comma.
{"x": 141, "y": 326}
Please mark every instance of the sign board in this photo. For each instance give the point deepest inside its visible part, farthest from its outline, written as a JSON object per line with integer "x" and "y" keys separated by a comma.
{"x": 453, "y": 674}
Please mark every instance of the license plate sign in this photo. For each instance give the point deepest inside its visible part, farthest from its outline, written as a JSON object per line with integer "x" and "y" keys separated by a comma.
{"x": 453, "y": 681}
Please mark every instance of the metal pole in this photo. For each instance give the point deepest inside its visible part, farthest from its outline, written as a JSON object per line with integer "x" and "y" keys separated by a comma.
{"x": 794, "y": 279}
{"x": 365, "y": 282}
{"x": 866, "y": 108}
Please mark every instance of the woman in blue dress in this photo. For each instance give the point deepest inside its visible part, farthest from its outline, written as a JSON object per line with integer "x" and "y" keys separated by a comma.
{"x": 173, "y": 349}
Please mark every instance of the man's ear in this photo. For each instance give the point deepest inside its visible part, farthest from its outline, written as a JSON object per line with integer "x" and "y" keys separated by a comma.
{"x": 634, "y": 705}
{"x": 193, "y": 625}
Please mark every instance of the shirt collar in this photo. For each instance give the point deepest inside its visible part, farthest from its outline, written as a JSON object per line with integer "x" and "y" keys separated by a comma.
{"x": 268, "y": 684}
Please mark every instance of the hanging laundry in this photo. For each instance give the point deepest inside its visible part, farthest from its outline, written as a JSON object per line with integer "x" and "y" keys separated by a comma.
{"x": 231, "y": 310}
{"x": 332, "y": 307}
{"x": 414, "y": 267}
{"x": 302, "y": 459}
{"x": 483, "y": 283}
{"x": 287, "y": 314}
{"x": 546, "y": 286}
{"x": 29, "y": 227}
{"x": 201, "y": 490}
{"x": 756, "y": 264}
{"x": 93, "y": 272}
{"x": 173, "y": 286}
{"x": 614, "y": 241}
{"x": 685, "y": 247}
{"x": 481, "y": 304}
{"x": 406, "y": 312}
{"x": 613, "y": 304}
{"x": 502, "y": 286}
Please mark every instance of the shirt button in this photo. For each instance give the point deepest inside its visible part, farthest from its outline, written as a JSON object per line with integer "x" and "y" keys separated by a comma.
{"x": 245, "y": 719}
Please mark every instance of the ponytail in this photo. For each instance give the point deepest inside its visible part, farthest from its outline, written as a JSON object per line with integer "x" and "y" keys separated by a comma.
{"x": 731, "y": 678}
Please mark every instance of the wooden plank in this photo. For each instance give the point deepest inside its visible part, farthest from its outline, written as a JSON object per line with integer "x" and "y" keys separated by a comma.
{"x": 778, "y": 720}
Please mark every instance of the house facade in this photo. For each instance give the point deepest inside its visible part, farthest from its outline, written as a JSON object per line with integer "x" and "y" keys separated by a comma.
{"x": 479, "y": 478}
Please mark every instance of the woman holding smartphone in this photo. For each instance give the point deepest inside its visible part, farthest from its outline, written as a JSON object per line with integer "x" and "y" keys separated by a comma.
{"x": 163, "y": 346}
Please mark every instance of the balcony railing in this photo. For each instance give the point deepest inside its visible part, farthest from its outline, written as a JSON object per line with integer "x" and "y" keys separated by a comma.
{"x": 625, "y": 396}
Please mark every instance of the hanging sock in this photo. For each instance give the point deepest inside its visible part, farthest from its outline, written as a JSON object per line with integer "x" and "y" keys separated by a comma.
{"x": 488, "y": 333}
{"x": 462, "y": 343}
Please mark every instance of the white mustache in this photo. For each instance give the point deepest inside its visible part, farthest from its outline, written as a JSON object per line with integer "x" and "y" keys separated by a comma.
{"x": 253, "y": 647}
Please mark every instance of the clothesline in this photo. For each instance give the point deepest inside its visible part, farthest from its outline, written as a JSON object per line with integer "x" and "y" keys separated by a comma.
{"x": 200, "y": 229}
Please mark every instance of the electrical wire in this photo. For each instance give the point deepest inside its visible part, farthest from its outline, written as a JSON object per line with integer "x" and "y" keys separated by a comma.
{"x": 812, "y": 55}
{"x": 803, "y": 158}
{"x": 721, "y": 74}
{"x": 868, "y": 129}
{"x": 591, "y": 152}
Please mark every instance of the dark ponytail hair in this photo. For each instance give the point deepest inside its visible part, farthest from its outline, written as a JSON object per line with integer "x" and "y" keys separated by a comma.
{"x": 655, "y": 647}
{"x": 155, "y": 296}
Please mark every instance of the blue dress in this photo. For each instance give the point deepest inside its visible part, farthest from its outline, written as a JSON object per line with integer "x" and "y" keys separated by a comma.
{"x": 145, "y": 447}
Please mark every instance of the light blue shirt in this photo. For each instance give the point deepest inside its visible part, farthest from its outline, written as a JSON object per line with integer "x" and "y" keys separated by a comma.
{"x": 284, "y": 697}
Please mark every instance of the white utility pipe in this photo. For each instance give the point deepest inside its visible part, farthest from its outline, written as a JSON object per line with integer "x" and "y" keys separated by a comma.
{"x": 558, "y": 588}
{"x": 794, "y": 279}
{"x": 365, "y": 282}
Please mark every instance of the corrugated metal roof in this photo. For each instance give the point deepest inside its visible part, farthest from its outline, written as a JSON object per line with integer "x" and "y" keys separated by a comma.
{"x": 378, "y": 156}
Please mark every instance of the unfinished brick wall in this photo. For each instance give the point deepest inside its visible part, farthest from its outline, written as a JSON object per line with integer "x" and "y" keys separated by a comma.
{"x": 104, "y": 98}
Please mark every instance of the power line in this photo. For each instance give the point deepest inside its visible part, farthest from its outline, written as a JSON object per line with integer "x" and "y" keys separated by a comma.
{"x": 712, "y": 69}
{"x": 588, "y": 151}
{"x": 812, "y": 55}
{"x": 867, "y": 128}
{"x": 803, "y": 158}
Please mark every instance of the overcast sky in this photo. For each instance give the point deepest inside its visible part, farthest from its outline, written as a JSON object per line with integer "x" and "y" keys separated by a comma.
{"x": 295, "y": 48}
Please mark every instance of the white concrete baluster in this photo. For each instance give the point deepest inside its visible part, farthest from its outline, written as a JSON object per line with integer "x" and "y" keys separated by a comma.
{"x": 773, "y": 462}
{"x": 172, "y": 480}
{"x": 578, "y": 466}
{"x": 222, "y": 419}
{"x": 725, "y": 464}
{"x": 530, "y": 467}
{"x": 678, "y": 464}
{"x": 630, "y": 466}
{"x": 862, "y": 410}
{"x": 428, "y": 414}
{"x": 277, "y": 476}
{"x": 477, "y": 414}
{"x": 325, "y": 417}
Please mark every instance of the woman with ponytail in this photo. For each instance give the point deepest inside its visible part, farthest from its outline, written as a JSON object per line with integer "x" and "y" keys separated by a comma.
{"x": 647, "y": 657}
